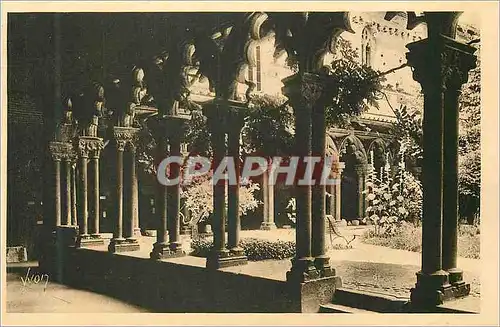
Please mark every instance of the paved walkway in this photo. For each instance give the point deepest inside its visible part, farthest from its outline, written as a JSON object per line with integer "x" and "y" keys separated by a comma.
{"x": 364, "y": 267}
{"x": 41, "y": 297}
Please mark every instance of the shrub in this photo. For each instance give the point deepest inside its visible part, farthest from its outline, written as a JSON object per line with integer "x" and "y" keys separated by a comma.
{"x": 255, "y": 249}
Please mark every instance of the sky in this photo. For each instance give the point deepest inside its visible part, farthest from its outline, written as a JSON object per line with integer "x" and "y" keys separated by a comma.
{"x": 470, "y": 17}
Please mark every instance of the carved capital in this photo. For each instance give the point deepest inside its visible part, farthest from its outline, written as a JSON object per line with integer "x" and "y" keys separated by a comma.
{"x": 124, "y": 136}
{"x": 60, "y": 150}
{"x": 87, "y": 146}
{"x": 304, "y": 89}
{"x": 441, "y": 64}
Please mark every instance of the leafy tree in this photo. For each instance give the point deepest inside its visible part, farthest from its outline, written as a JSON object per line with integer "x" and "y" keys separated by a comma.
{"x": 469, "y": 173}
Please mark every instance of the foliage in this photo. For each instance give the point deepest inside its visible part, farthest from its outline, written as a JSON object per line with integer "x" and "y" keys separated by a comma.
{"x": 255, "y": 249}
{"x": 268, "y": 129}
{"x": 198, "y": 135}
{"x": 407, "y": 131}
{"x": 469, "y": 172}
{"x": 354, "y": 87}
{"x": 409, "y": 237}
{"x": 393, "y": 198}
{"x": 199, "y": 201}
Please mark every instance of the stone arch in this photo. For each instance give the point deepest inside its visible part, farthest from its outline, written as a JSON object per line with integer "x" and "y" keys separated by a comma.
{"x": 353, "y": 154}
{"x": 351, "y": 145}
{"x": 331, "y": 147}
{"x": 379, "y": 152}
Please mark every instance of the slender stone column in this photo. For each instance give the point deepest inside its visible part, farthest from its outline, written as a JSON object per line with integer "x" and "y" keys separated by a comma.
{"x": 303, "y": 91}
{"x": 174, "y": 205}
{"x": 135, "y": 197}
{"x": 82, "y": 195}
{"x": 118, "y": 230}
{"x": 122, "y": 240}
{"x": 161, "y": 245}
{"x": 57, "y": 195}
{"x": 236, "y": 116}
{"x": 321, "y": 260}
{"x": 437, "y": 61}
{"x": 463, "y": 63}
{"x": 94, "y": 161}
{"x": 338, "y": 191}
{"x": 361, "y": 172}
{"x": 216, "y": 124}
{"x": 74, "y": 218}
{"x": 132, "y": 201}
{"x": 268, "y": 199}
{"x": 67, "y": 192}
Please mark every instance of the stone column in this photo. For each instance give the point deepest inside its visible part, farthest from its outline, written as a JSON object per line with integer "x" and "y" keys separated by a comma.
{"x": 160, "y": 248}
{"x": 82, "y": 191}
{"x": 87, "y": 145}
{"x": 268, "y": 199}
{"x": 361, "y": 172}
{"x": 216, "y": 125}
{"x": 462, "y": 62}
{"x": 123, "y": 137}
{"x": 437, "y": 61}
{"x": 57, "y": 192}
{"x": 95, "y": 201}
{"x": 236, "y": 116}
{"x": 175, "y": 130}
{"x": 74, "y": 218}
{"x": 67, "y": 192}
{"x": 318, "y": 149}
{"x": 338, "y": 191}
{"x": 132, "y": 200}
{"x": 118, "y": 238}
{"x": 303, "y": 91}
{"x": 135, "y": 198}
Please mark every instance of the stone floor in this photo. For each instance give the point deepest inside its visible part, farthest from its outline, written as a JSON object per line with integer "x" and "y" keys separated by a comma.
{"x": 31, "y": 297}
{"x": 364, "y": 267}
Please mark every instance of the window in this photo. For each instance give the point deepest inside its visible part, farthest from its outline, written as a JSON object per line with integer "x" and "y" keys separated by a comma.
{"x": 255, "y": 74}
{"x": 366, "y": 47}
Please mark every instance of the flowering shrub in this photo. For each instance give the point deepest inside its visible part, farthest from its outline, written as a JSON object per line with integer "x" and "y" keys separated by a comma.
{"x": 386, "y": 207}
{"x": 199, "y": 200}
{"x": 255, "y": 249}
{"x": 393, "y": 198}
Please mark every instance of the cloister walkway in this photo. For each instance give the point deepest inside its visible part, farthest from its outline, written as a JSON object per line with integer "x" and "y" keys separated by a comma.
{"x": 364, "y": 267}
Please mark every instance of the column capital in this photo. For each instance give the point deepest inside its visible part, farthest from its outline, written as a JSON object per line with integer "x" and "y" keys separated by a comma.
{"x": 305, "y": 88}
{"x": 446, "y": 67}
{"x": 124, "y": 136}
{"x": 89, "y": 145}
{"x": 61, "y": 150}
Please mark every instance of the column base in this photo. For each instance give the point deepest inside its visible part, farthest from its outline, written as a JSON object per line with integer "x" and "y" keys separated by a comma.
{"x": 166, "y": 251}
{"x": 309, "y": 295}
{"x": 455, "y": 275}
{"x": 434, "y": 289}
{"x": 123, "y": 245}
{"x": 87, "y": 240}
{"x": 322, "y": 264}
{"x": 302, "y": 270}
{"x": 186, "y": 230}
{"x": 225, "y": 258}
{"x": 268, "y": 225}
{"x": 137, "y": 232}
